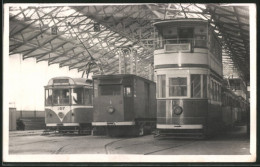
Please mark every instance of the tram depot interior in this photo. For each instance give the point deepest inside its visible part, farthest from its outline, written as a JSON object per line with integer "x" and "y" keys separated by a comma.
{"x": 136, "y": 78}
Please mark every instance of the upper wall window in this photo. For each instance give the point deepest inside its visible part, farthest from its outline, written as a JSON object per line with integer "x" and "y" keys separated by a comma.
{"x": 161, "y": 84}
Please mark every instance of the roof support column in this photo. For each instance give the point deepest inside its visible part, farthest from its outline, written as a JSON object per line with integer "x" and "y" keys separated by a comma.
{"x": 131, "y": 61}
{"x": 120, "y": 61}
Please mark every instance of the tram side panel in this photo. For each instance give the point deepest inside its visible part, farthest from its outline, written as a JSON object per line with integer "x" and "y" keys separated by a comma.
{"x": 181, "y": 114}
{"x": 69, "y": 114}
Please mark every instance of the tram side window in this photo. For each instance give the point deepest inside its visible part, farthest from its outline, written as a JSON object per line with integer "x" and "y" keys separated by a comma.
{"x": 159, "y": 40}
{"x": 195, "y": 86}
{"x": 127, "y": 91}
{"x": 224, "y": 99}
{"x": 178, "y": 86}
{"x": 95, "y": 87}
{"x": 161, "y": 84}
{"x": 61, "y": 96}
{"x": 48, "y": 96}
{"x": 211, "y": 90}
{"x": 205, "y": 86}
{"x": 88, "y": 96}
{"x": 77, "y": 96}
{"x": 219, "y": 92}
{"x": 215, "y": 91}
{"x": 110, "y": 90}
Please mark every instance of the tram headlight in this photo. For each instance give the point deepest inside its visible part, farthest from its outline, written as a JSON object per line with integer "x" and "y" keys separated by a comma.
{"x": 60, "y": 114}
{"x": 110, "y": 109}
{"x": 177, "y": 110}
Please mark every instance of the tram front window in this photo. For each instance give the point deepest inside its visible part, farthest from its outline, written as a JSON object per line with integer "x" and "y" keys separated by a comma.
{"x": 77, "y": 96}
{"x": 60, "y": 96}
{"x": 178, "y": 86}
{"x": 110, "y": 90}
{"x": 185, "y": 34}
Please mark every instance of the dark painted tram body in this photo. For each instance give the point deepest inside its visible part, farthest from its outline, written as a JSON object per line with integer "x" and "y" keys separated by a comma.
{"x": 124, "y": 102}
{"x": 68, "y": 104}
{"x": 188, "y": 70}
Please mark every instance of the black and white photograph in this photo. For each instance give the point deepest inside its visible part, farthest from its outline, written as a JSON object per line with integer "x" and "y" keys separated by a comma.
{"x": 129, "y": 82}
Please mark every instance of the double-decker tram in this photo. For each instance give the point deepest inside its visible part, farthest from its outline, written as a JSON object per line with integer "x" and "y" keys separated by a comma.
{"x": 124, "y": 104}
{"x": 68, "y": 105}
{"x": 235, "y": 102}
{"x": 188, "y": 68}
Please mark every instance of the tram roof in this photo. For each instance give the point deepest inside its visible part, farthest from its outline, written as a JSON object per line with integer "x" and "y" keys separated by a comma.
{"x": 122, "y": 76}
{"x": 70, "y": 81}
{"x": 77, "y": 44}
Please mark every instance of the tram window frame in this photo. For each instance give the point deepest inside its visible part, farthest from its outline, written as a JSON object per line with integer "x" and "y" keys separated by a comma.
{"x": 220, "y": 94}
{"x": 176, "y": 87}
{"x": 192, "y": 83}
{"x": 95, "y": 88}
{"x": 48, "y": 97}
{"x": 113, "y": 92}
{"x": 224, "y": 99}
{"x": 217, "y": 93}
{"x": 211, "y": 90}
{"x": 61, "y": 101}
{"x": 161, "y": 86}
{"x": 204, "y": 86}
{"x": 181, "y": 33}
{"x": 128, "y": 91}
{"x": 77, "y": 96}
{"x": 88, "y": 96}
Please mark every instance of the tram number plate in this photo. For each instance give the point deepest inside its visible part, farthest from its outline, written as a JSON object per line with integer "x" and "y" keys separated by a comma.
{"x": 59, "y": 124}
{"x": 111, "y": 123}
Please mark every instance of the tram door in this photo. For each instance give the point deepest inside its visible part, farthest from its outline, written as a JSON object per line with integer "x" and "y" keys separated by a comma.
{"x": 128, "y": 102}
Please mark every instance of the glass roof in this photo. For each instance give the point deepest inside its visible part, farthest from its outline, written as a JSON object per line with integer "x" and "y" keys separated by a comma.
{"x": 99, "y": 32}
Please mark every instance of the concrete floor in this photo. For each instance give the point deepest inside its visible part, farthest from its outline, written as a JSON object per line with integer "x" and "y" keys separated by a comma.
{"x": 32, "y": 142}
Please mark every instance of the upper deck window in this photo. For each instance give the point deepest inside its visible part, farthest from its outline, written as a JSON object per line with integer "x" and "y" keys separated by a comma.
{"x": 178, "y": 86}
{"x": 110, "y": 90}
{"x": 193, "y": 33}
{"x": 185, "y": 34}
{"x": 60, "y": 96}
